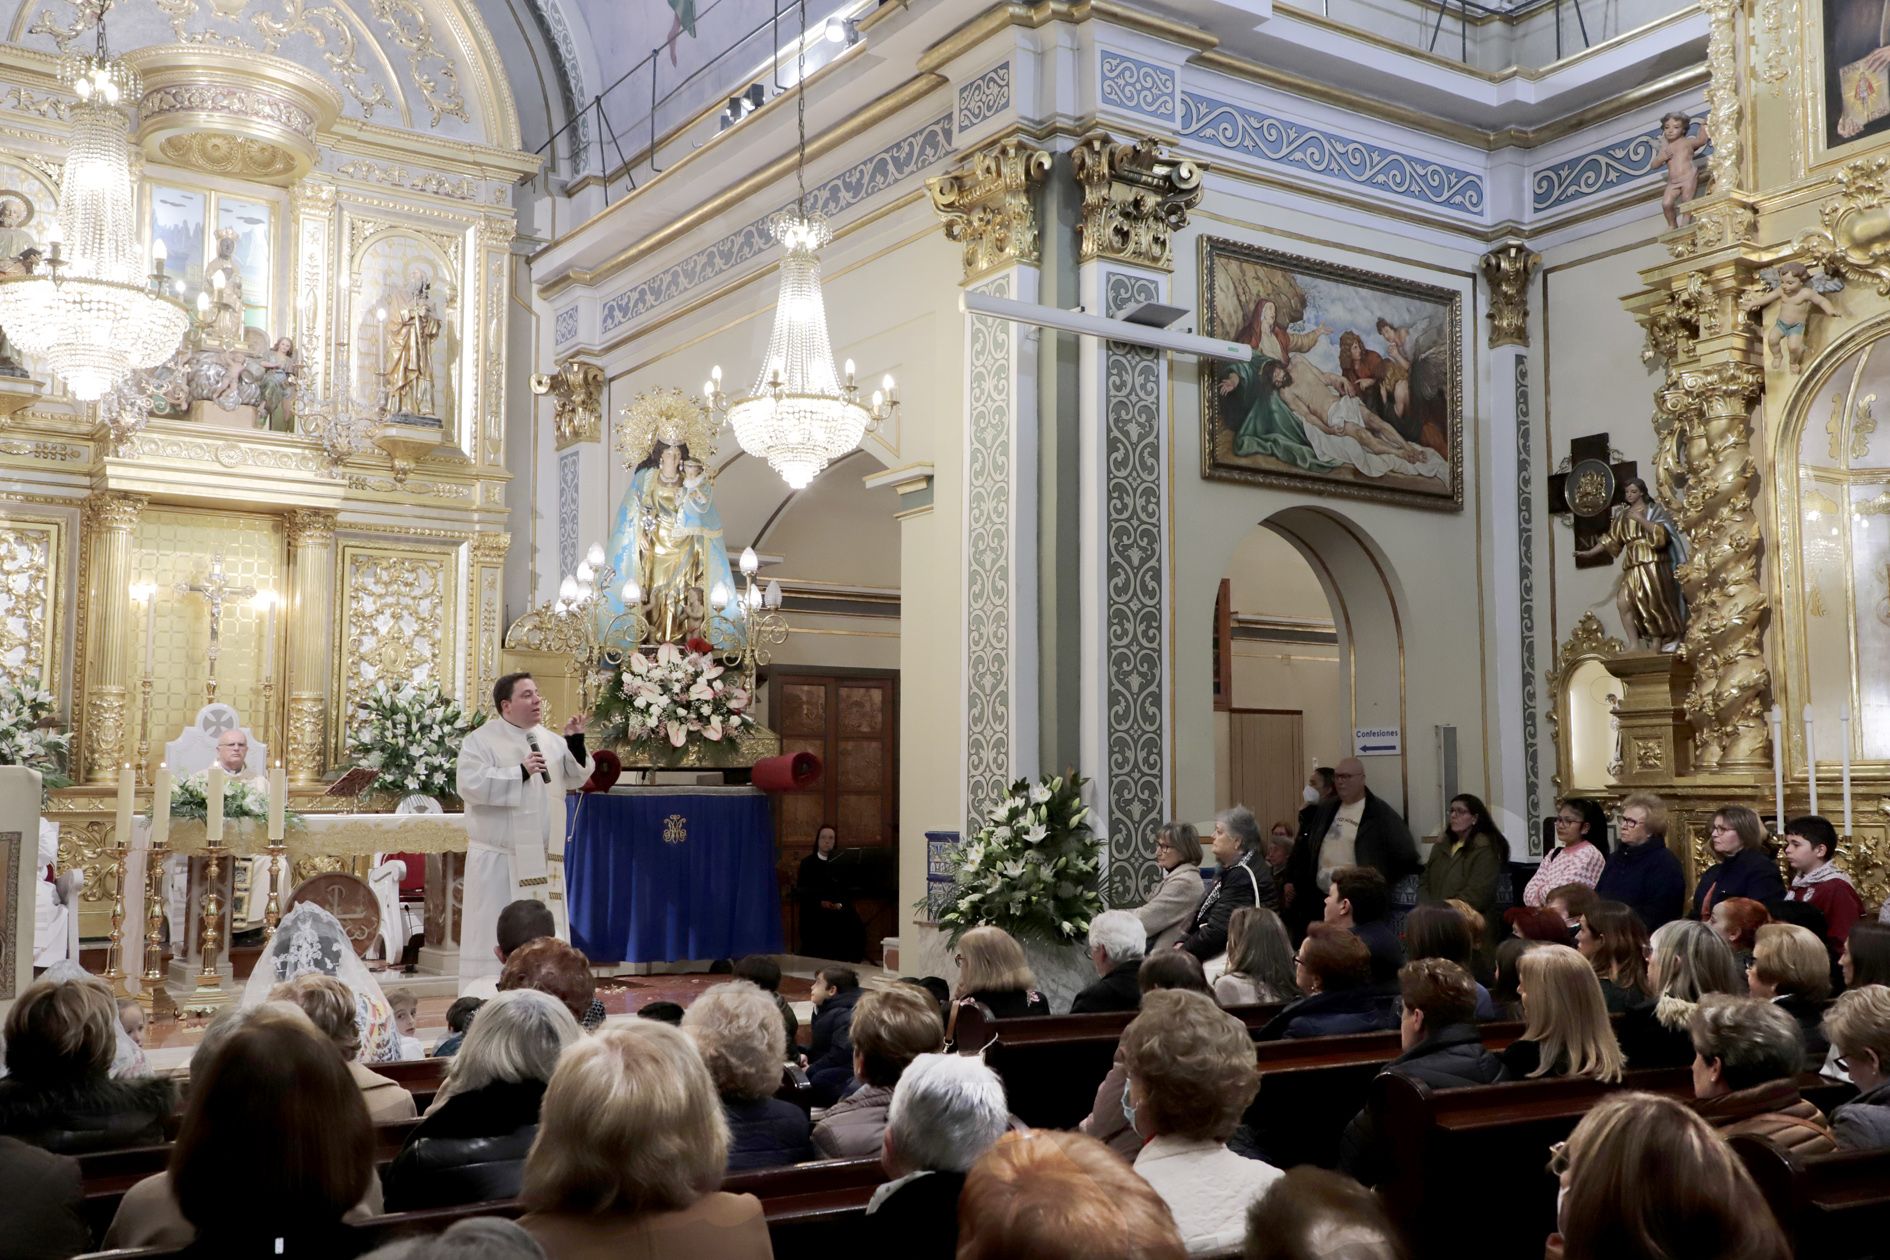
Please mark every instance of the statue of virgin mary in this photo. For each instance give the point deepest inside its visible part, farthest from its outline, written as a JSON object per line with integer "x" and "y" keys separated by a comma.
{"x": 667, "y": 538}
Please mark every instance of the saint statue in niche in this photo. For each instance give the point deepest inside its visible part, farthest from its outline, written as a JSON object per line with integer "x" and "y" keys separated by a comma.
{"x": 18, "y": 252}
{"x": 668, "y": 540}
{"x": 223, "y": 279}
{"x": 409, "y": 376}
{"x": 1650, "y": 546}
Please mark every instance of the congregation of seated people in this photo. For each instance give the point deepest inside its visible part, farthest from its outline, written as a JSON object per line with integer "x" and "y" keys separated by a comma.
{"x": 1674, "y": 1038}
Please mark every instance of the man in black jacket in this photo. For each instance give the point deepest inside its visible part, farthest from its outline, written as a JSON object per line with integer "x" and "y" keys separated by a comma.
{"x": 1117, "y": 942}
{"x": 1245, "y": 880}
{"x": 1355, "y": 828}
{"x": 1442, "y": 1048}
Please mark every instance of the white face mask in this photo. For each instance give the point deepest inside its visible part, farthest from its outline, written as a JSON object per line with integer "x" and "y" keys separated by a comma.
{"x": 1128, "y": 1110}
{"x": 1561, "y": 1195}
{"x": 1311, "y": 794}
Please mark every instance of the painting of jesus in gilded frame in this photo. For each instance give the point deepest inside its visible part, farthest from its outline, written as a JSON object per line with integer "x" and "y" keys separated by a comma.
{"x": 1354, "y": 385}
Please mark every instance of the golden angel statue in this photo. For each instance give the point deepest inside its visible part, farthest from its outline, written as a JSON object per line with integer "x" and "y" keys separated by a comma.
{"x": 1651, "y": 547}
{"x": 409, "y": 375}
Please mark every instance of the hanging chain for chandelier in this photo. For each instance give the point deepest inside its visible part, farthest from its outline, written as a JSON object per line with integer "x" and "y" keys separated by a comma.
{"x": 800, "y": 415}
{"x": 84, "y": 306}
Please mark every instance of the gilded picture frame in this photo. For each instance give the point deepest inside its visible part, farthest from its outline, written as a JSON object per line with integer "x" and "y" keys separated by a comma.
{"x": 1356, "y": 384}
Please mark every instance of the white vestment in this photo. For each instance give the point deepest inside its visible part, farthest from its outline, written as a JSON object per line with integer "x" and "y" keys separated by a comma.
{"x": 56, "y": 904}
{"x": 515, "y": 827}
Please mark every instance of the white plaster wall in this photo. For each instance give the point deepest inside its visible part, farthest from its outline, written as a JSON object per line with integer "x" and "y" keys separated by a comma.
{"x": 1433, "y": 559}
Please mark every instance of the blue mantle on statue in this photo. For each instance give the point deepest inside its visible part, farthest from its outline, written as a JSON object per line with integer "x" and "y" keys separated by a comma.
{"x": 665, "y": 874}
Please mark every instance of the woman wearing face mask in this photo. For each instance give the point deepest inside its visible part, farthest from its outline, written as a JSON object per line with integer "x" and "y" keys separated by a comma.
{"x": 1467, "y": 862}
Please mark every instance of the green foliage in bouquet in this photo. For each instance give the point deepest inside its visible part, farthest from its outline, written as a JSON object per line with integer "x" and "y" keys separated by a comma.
{"x": 242, "y": 798}
{"x": 1033, "y": 869}
{"x": 411, "y": 735}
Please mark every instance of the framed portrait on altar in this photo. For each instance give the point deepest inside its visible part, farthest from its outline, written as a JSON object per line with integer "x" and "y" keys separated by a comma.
{"x": 1847, "y": 107}
{"x": 1354, "y": 385}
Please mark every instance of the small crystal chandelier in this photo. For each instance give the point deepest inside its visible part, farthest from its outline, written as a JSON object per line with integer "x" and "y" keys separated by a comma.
{"x": 800, "y": 416}
{"x": 86, "y": 308}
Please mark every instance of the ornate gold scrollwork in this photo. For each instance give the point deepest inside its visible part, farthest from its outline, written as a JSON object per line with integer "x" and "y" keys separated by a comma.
{"x": 1135, "y": 198}
{"x": 987, "y": 208}
{"x": 1855, "y": 239}
{"x": 1506, "y": 269}
{"x": 577, "y": 394}
{"x": 1711, "y": 410}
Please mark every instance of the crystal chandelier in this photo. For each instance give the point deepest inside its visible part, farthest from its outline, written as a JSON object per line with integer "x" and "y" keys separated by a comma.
{"x": 800, "y": 416}
{"x": 86, "y": 309}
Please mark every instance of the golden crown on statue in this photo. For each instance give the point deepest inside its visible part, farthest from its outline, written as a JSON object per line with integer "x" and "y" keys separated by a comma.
{"x": 668, "y": 416}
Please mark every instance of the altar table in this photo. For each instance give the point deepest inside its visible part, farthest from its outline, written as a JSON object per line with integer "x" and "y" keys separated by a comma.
{"x": 658, "y": 874}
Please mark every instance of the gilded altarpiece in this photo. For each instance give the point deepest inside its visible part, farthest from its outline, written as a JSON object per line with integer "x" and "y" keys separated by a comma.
{"x": 397, "y": 622}
{"x": 34, "y": 569}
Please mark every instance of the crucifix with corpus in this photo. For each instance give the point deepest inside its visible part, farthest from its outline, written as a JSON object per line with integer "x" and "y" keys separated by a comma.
{"x": 215, "y": 589}
{"x": 1588, "y": 493}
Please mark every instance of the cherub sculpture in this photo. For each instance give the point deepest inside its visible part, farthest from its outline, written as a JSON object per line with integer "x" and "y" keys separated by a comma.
{"x": 1677, "y": 150}
{"x": 1796, "y": 290}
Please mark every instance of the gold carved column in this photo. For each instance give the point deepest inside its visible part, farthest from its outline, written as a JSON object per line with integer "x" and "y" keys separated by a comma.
{"x": 311, "y": 534}
{"x": 110, "y": 519}
{"x": 485, "y": 615}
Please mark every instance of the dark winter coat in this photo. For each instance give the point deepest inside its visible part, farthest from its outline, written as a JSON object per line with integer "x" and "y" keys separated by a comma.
{"x": 471, "y": 1150}
{"x": 766, "y": 1133}
{"x": 72, "y": 1117}
{"x": 1747, "y": 873}
{"x": 830, "y": 1053}
{"x": 1248, "y": 882}
{"x": 1363, "y": 1009}
{"x": 1117, "y": 991}
{"x": 919, "y": 1220}
{"x": 1453, "y": 1058}
{"x": 1647, "y": 878}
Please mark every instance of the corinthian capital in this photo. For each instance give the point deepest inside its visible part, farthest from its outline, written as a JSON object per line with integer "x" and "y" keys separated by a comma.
{"x": 1136, "y": 196}
{"x": 1507, "y": 269}
{"x": 113, "y": 509}
{"x": 309, "y": 527}
{"x": 987, "y": 207}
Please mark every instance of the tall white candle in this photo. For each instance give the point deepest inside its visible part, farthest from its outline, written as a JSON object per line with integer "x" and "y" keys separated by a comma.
{"x": 1844, "y": 744}
{"x": 1778, "y": 764}
{"x": 161, "y": 807}
{"x": 278, "y": 802}
{"x": 125, "y": 789}
{"x": 213, "y": 806}
{"x": 1811, "y": 760}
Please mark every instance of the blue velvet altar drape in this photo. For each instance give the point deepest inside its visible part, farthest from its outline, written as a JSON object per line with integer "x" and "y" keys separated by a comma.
{"x": 644, "y": 888}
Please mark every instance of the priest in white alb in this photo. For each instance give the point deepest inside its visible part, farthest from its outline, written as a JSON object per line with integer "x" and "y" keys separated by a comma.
{"x": 513, "y": 776}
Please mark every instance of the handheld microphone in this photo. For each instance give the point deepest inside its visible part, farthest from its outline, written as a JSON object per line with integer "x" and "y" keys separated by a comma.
{"x": 532, "y": 739}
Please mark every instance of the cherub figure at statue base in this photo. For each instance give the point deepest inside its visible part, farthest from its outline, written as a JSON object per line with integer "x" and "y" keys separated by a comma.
{"x": 1677, "y": 151}
{"x": 1796, "y": 291}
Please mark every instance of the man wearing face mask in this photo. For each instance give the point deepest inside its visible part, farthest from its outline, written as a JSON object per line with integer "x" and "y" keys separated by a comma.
{"x": 1316, "y": 794}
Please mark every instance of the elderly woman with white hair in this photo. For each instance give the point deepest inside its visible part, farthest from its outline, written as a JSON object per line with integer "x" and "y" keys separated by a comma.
{"x": 946, "y": 1112}
{"x": 738, "y": 1029}
{"x": 471, "y": 1146}
{"x": 1245, "y": 880}
{"x": 1116, "y": 947}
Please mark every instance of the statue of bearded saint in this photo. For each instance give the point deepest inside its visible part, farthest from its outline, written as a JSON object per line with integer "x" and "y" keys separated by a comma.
{"x": 224, "y": 279}
{"x": 409, "y": 376}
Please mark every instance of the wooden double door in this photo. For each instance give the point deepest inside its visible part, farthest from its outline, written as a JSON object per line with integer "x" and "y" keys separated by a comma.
{"x": 850, "y": 720}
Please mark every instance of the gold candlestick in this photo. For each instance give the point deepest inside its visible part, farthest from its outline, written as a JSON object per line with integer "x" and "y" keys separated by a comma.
{"x": 114, "y": 973}
{"x": 155, "y": 998}
{"x": 209, "y": 992}
{"x": 272, "y": 909}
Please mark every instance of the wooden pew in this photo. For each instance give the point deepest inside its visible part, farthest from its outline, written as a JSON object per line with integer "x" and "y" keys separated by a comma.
{"x": 814, "y": 1211}
{"x": 1494, "y": 1140}
{"x": 1052, "y": 1064}
{"x": 1310, "y": 1089}
{"x": 1835, "y": 1207}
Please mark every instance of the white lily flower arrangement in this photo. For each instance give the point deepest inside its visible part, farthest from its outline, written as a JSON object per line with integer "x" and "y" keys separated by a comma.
{"x": 681, "y": 694}
{"x": 411, "y": 735}
{"x": 27, "y": 732}
{"x": 1033, "y": 870}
